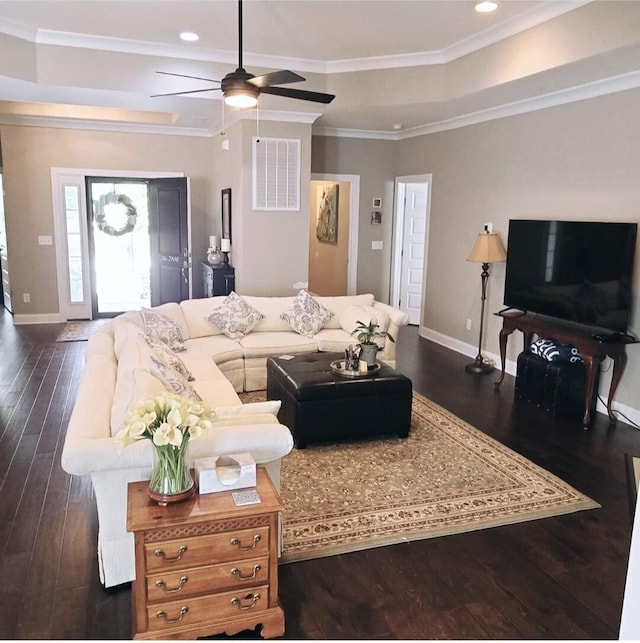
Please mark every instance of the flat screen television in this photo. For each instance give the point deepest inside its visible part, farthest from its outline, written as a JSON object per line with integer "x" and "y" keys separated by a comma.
{"x": 576, "y": 271}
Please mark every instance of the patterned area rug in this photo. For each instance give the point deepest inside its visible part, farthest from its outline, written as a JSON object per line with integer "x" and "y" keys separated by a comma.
{"x": 446, "y": 478}
{"x": 78, "y": 331}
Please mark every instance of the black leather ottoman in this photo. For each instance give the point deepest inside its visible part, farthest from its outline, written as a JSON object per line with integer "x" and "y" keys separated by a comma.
{"x": 319, "y": 405}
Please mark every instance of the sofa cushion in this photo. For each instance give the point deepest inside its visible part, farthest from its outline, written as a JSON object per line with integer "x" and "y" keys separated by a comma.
{"x": 196, "y": 311}
{"x": 271, "y": 308}
{"x": 132, "y": 386}
{"x": 337, "y": 305}
{"x": 334, "y": 340}
{"x": 243, "y": 414}
{"x": 353, "y": 314}
{"x": 235, "y": 318}
{"x": 305, "y": 315}
{"x": 267, "y": 344}
{"x": 173, "y": 380}
{"x": 161, "y": 327}
{"x": 203, "y": 350}
{"x": 166, "y": 356}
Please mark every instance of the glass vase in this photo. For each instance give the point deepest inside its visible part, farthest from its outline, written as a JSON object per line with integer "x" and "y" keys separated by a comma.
{"x": 171, "y": 479}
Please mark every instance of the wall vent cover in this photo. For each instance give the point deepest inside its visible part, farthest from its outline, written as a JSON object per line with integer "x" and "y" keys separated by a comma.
{"x": 276, "y": 174}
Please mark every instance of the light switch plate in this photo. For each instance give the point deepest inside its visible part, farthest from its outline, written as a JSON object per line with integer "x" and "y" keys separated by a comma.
{"x": 45, "y": 240}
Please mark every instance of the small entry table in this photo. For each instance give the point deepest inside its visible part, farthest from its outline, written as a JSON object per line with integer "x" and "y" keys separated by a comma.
{"x": 592, "y": 350}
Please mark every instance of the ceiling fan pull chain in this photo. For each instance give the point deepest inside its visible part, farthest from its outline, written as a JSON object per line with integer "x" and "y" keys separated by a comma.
{"x": 258, "y": 122}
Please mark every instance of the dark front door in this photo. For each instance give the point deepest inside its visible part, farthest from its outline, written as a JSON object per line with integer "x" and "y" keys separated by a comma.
{"x": 168, "y": 232}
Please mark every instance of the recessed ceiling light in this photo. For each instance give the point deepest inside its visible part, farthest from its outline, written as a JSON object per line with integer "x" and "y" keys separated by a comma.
{"x": 486, "y": 6}
{"x": 189, "y": 36}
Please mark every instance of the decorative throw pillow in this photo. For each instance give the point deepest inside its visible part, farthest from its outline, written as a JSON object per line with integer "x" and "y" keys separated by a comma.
{"x": 165, "y": 355}
{"x": 173, "y": 381}
{"x": 161, "y": 327}
{"x": 235, "y": 318}
{"x": 305, "y": 315}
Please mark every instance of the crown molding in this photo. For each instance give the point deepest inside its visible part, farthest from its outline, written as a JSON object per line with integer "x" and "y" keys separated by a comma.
{"x": 101, "y": 126}
{"x": 535, "y": 16}
{"x": 168, "y": 130}
{"x": 612, "y": 85}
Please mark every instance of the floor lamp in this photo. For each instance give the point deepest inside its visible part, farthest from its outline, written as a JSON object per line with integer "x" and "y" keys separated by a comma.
{"x": 487, "y": 249}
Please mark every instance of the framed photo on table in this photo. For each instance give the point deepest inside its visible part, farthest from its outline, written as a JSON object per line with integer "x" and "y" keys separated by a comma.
{"x": 226, "y": 213}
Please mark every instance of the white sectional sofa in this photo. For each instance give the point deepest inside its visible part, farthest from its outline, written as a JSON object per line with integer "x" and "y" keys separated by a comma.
{"x": 119, "y": 372}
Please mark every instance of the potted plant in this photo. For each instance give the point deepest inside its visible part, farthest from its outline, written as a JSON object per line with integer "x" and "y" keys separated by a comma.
{"x": 366, "y": 334}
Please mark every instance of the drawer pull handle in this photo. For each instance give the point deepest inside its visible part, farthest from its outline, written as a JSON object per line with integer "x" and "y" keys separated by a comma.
{"x": 236, "y": 572}
{"x": 163, "y": 614}
{"x": 160, "y": 553}
{"x": 256, "y": 539}
{"x": 254, "y": 598}
{"x": 162, "y": 584}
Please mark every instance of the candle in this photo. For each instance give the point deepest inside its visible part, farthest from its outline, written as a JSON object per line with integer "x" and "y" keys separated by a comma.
{"x": 213, "y": 241}
{"x": 226, "y": 245}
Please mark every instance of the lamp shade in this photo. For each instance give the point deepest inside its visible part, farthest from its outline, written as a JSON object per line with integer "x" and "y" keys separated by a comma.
{"x": 488, "y": 248}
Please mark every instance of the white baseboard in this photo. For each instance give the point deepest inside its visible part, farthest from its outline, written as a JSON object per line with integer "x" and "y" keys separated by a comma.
{"x": 627, "y": 413}
{"x": 44, "y": 318}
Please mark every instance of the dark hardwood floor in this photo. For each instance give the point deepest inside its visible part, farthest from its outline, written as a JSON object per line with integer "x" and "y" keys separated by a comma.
{"x": 556, "y": 578}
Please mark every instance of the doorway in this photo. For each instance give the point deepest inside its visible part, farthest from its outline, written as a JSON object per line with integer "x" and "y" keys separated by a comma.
{"x": 157, "y": 202}
{"x": 118, "y": 246}
{"x": 322, "y": 254}
{"x": 411, "y": 229}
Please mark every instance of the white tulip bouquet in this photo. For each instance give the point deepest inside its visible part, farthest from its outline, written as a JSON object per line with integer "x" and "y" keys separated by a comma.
{"x": 169, "y": 421}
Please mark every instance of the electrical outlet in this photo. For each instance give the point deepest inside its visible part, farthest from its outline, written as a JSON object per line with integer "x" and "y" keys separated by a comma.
{"x": 468, "y": 323}
{"x": 487, "y": 227}
{"x": 26, "y": 298}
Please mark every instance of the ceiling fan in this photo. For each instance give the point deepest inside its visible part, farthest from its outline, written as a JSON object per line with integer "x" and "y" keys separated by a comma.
{"x": 241, "y": 89}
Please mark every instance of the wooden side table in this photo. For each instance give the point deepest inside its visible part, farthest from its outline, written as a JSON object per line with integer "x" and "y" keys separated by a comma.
{"x": 205, "y": 566}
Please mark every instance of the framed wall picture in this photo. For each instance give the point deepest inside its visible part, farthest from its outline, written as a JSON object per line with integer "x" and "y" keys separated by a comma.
{"x": 226, "y": 213}
{"x": 327, "y": 215}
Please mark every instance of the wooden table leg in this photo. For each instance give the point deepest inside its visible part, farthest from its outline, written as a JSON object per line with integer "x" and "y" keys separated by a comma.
{"x": 619, "y": 364}
{"x": 591, "y": 367}
{"x": 504, "y": 336}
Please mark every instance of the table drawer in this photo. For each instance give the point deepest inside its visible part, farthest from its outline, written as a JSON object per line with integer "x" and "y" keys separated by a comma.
{"x": 206, "y": 550}
{"x": 192, "y": 611}
{"x": 172, "y": 585}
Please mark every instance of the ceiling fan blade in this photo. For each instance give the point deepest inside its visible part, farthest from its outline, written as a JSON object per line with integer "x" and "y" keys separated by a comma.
{"x": 193, "y": 91}
{"x": 276, "y": 78}
{"x": 168, "y": 73}
{"x": 300, "y": 94}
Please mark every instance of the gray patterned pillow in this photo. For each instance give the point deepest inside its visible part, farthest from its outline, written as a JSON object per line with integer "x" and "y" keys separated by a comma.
{"x": 235, "y": 318}
{"x": 161, "y": 327}
{"x": 173, "y": 381}
{"x": 305, "y": 315}
{"x": 165, "y": 355}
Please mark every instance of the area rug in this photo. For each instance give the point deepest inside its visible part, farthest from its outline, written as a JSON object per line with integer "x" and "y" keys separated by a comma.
{"x": 78, "y": 331}
{"x": 446, "y": 478}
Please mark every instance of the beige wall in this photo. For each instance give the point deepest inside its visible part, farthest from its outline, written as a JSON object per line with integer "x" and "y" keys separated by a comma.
{"x": 577, "y": 161}
{"x": 375, "y": 162}
{"x": 329, "y": 261}
{"x": 270, "y": 249}
{"x": 29, "y": 153}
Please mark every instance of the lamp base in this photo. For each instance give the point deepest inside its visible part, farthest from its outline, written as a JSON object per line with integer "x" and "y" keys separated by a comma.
{"x": 478, "y": 367}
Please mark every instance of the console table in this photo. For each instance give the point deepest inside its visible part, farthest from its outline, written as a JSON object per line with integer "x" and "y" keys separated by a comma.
{"x": 592, "y": 350}
{"x": 217, "y": 280}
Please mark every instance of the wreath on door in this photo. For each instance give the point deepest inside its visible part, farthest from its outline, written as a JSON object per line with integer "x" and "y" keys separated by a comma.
{"x": 102, "y": 217}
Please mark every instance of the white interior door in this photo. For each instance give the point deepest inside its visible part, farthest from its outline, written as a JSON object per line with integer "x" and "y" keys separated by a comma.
{"x": 412, "y": 209}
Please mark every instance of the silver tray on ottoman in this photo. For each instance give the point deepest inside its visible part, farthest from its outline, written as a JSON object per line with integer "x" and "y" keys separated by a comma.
{"x": 338, "y": 368}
